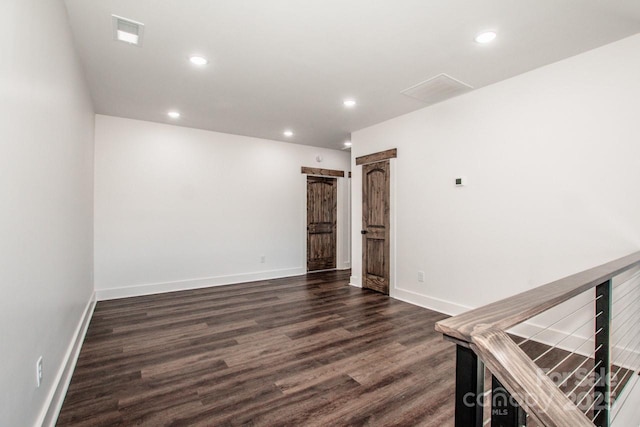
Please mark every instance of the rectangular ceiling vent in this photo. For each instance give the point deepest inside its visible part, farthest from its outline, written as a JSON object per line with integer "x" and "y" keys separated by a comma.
{"x": 127, "y": 30}
{"x": 437, "y": 89}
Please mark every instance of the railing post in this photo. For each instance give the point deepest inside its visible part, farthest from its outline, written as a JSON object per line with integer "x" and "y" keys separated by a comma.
{"x": 469, "y": 388}
{"x": 505, "y": 411}
{"x": 602, "y": 391}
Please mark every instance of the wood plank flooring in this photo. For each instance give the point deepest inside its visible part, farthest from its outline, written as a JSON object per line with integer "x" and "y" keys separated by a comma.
{"x": 307, "y": 350}
{"x": 574, "y": 374}
{"x": 302, "y": 351}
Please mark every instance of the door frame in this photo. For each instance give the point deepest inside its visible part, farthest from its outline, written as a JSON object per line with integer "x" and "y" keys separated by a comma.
{"x": 376, "y": 233}
{"x": 343, "y": 236}
{"x": 334, "y": 214}
{"x": 356, "y": 215}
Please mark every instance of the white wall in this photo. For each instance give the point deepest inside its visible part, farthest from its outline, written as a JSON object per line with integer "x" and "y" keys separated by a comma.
{"x": 46, "y": 184}
{"x": 177, "y": 208}
{"x": 552, "y": 161}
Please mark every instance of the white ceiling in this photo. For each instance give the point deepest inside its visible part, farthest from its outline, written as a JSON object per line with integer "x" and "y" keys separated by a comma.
{"x": 277, "y": 64}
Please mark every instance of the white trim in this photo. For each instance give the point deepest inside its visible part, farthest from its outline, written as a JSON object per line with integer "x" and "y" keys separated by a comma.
{"x": 628, "y": 356}
{"x": 432, "y": 303}
{"x": 550, "y": 336}
{"x": 338, "y": 218}
{"x": 183, "y": 285}
{"x": 392, "y": 228}
{"x": 349, "y": 233}
{"x": 53, "y": 404}
{"x": 355, "y": 281}
{"x": 303, "y": 226}
{"x": 324, "y": 270}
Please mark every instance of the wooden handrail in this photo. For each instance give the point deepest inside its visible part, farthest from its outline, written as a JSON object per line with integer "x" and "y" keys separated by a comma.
{"x": 528, "y": 384}
{"x": 514, "y": 310}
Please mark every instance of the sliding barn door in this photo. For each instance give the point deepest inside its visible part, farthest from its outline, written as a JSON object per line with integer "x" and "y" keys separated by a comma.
{"x": 375, "y": 226}
{"x": 321, "y": 222}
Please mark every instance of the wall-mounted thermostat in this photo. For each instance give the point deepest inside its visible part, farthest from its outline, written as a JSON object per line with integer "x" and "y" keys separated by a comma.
{"x": 461, "y": 181}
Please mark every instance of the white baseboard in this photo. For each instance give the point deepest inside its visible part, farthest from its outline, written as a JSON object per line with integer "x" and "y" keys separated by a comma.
{"x": 550, "y": 336}
{"x": 625, "y": 357}
{"x": 53, "y": 403}
{"x": 326, "y": 270}
{"x": 184, "y": 285}
{"x": 432, "y": 303}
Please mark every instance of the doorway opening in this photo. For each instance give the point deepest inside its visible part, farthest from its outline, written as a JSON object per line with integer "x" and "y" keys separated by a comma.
{"x": 376, "y": 224}
{"x": 322, "y": 203}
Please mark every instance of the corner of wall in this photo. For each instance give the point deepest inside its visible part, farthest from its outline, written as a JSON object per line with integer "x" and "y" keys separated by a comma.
{"x": 355, "y": 281}
{"x": 53, "y": 404}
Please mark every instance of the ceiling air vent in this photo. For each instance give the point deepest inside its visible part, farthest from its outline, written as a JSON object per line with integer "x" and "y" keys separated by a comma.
{"x": 437, "y": 89}
{"x": 126, "y": 30}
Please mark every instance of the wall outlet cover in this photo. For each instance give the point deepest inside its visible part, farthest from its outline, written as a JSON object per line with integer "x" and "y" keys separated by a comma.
{"x": 39, "y": 371}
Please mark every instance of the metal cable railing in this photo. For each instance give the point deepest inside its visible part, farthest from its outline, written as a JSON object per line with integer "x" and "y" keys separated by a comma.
{"x": 561, "y": 374}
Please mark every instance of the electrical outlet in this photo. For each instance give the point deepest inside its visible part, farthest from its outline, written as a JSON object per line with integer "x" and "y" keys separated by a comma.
{"x": 263, "y": 259}
{"x": 421, "y": 276}
{"x": 39, "y": 371}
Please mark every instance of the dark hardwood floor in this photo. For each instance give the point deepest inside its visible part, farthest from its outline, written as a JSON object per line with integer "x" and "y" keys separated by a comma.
{"x": 307, "y": 350}
{"x": 301, "y": 351}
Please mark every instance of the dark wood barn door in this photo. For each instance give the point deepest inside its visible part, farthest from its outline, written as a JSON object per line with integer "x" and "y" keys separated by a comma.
{"x": 375, "y": 226}
{"x": 321, "y": 222}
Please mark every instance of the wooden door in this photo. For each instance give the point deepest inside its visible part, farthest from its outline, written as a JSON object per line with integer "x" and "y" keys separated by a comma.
{"x": 375, "y": 226}
{"x": 321, "y": 222}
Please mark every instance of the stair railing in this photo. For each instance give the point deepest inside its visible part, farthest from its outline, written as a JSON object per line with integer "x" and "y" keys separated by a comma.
{"x": 521, "y": 391}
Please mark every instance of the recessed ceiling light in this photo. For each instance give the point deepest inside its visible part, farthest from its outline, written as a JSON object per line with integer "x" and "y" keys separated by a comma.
{"x": 288, "y": 133}
{"x": 127, "y": 30}
{"x": 349, "y": 103}
{"x": 173, "y": 114}
{"x": 486, "y": 37}
{"x": 198, "y": 60}
{"x": 347, "y": 143}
